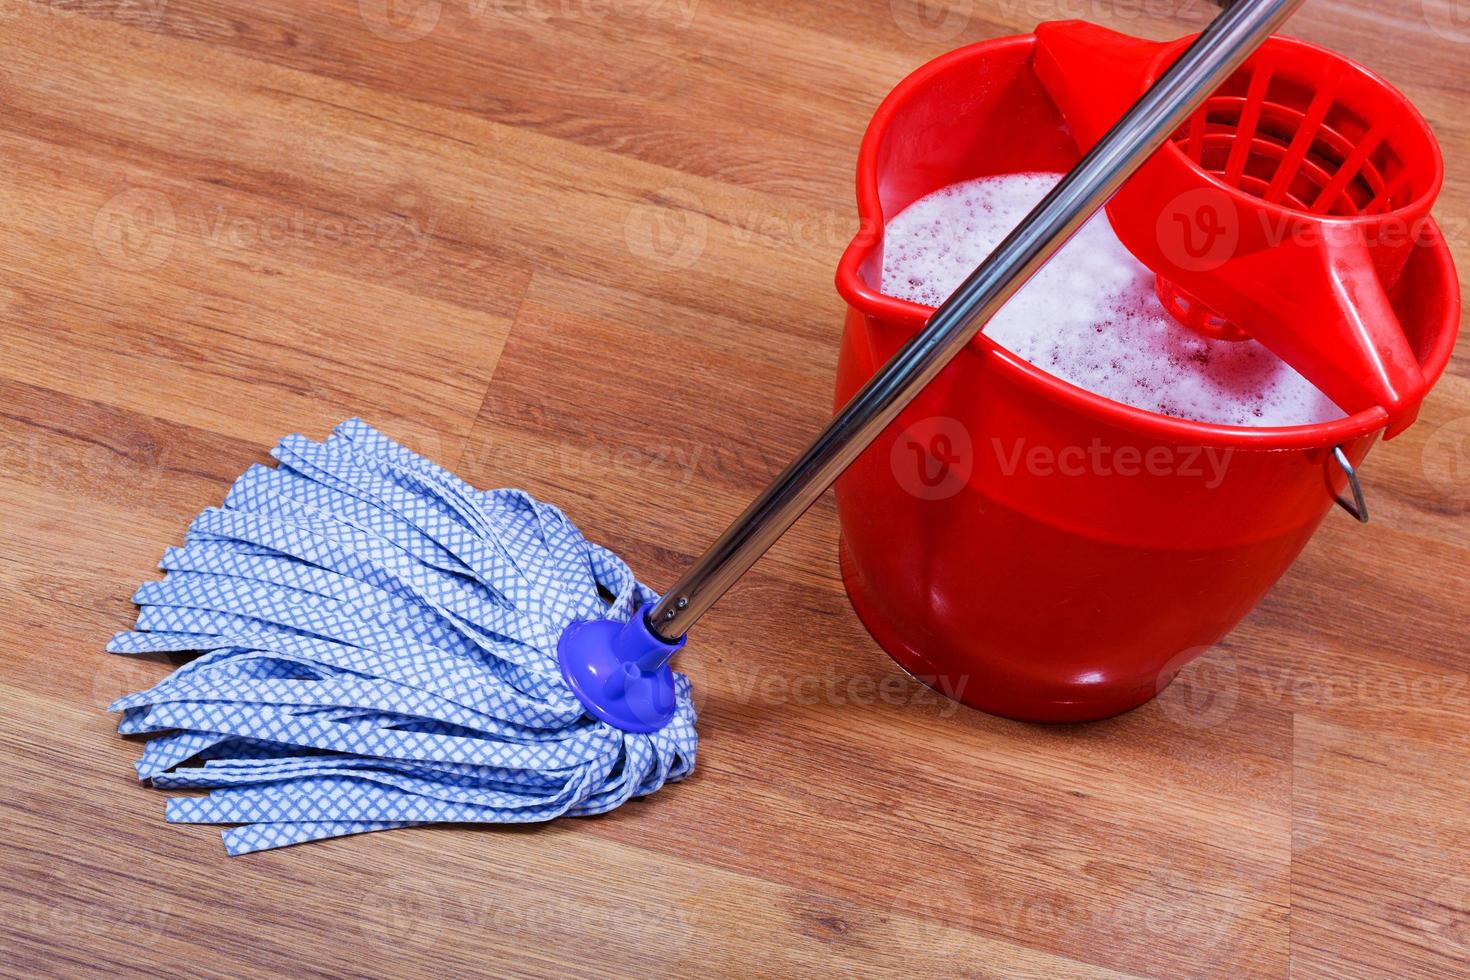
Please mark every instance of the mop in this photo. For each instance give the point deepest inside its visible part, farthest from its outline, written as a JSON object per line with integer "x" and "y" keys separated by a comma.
{"x": 381, "y": 645}
{"x": 377, "y": 633}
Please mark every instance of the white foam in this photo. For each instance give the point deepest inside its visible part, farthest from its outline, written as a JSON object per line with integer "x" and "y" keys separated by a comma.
{"x": 1091, "y": 316}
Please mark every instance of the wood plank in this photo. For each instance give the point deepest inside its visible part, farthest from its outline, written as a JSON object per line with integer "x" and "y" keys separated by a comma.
{"x": 586, "y": 247}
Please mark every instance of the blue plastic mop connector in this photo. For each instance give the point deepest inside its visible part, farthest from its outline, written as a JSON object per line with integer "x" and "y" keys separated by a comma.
{"x": 620, "y": 671}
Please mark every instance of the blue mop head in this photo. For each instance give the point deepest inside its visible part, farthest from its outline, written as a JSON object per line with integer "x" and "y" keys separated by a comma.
{"x": 379, "y": 650}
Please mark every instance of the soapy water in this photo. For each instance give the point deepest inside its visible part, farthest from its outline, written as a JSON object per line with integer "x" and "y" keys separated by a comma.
{"x": 1090, "y": 316}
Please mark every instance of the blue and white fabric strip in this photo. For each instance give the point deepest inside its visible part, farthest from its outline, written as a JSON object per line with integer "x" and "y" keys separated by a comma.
{"x": 378, "y": 645}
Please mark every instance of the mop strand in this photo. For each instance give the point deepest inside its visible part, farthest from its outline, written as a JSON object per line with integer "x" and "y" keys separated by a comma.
{"x": 378, "y": 645}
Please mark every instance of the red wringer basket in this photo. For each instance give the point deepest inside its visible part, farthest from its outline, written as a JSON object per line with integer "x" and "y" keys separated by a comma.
{"x": 1284, "y": 210}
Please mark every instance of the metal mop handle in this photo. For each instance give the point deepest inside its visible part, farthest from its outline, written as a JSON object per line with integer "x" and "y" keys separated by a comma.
{"x": 1218, "y": 51}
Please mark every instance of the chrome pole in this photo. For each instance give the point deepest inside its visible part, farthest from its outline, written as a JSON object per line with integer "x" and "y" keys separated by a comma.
{"x": 1215, "y": 54}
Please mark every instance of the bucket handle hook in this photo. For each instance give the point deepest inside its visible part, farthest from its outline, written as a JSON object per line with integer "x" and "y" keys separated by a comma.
{"x": 1358, "y": 507}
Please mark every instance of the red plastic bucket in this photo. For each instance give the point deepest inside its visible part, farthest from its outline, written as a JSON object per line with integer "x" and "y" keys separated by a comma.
{"x": 1018, "y": 543}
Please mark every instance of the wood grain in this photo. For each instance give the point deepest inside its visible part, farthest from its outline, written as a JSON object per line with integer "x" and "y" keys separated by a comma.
{"x": 586, "y": 247}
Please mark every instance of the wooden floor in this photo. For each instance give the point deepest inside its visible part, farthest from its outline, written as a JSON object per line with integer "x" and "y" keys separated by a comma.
{"x": 586, "y": 247}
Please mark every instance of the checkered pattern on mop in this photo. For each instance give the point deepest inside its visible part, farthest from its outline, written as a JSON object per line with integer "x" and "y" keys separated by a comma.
{"x": 377, "y": 646}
